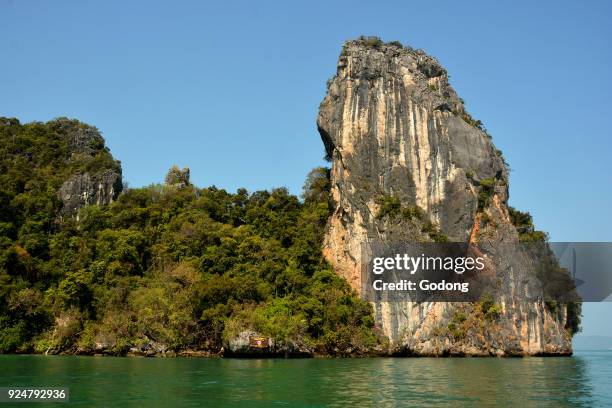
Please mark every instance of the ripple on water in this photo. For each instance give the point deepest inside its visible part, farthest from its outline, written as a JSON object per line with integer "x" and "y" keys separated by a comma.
{"x": 582, "y": 380}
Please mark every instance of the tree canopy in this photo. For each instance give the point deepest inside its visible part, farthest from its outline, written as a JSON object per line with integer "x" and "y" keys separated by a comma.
{"x": 185, "y": 267}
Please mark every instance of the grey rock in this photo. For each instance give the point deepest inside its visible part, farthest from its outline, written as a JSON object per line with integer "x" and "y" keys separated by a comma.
{"x": 392, "y": 125}
{"x": 85, "y": 145}
{"x": 86, "y": 189}
{"x": 242, "y": 342}
{"x": 245, "y": 344}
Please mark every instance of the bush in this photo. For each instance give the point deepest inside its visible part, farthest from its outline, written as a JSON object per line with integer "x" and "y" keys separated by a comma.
{"x": 574, "y": 317}
{"x": 489, "y": 308}
{"x": 487, "y": 188}
{"x": 434, "y": 233}
{"x": 457, "y": 325}
{"x": 13, "y": 337}
{"x": 317, "y": 186}
{"x": 412, "y": 212}
{"x": 389, "y": 206}
{"x": 371, "y": 41}
{"x": 523, "y": 222}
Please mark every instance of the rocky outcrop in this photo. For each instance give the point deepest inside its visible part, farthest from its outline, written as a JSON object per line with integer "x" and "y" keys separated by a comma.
{"x": 249, "y": 343}
{"x": 178, "y": 178}
{"x": 394, "y": 127}
{"x": 87, "y": 189}
{"x": 97, "y": 179}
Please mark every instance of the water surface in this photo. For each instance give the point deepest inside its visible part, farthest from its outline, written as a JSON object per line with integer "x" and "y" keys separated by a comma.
{"x": 582, "y": 380}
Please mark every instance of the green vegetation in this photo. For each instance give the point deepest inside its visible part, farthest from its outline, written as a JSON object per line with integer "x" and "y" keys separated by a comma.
{"x": 390, "y": 207}
{"x": 372, "y": 41}
{"x": 489, "y": 308}
{"x": 487, "y": 188}
{"x": 477, "y": 320}
{"x": 552, "y": 305}
{"x": 412, "y": 212}
{"x": 525, "y": 228}
{"x": 433, "y": 231}
{"x": 167, "y": 264}
{"x": 178, "y": 266}
{"x": 177, "y": 177}
{"x": 467, "y": 118}
{"x": 574, "y": 317}
{"x": 560, "y": 295}
{"x": 458, "y": 327}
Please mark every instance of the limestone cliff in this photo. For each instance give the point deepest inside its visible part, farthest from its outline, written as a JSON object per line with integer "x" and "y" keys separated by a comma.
{"x": 96, "y": 178}
{"x": 86, "y": 189}
{"x": 394, "y": 127}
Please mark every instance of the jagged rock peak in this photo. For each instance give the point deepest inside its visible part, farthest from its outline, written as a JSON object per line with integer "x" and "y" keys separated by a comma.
{"x": 378, "y": 51}
{"x": 178, "y": 178}
{"x": 392, "y": 124}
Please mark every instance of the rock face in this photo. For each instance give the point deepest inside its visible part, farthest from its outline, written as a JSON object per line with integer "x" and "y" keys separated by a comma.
{"x": 250, "y": 343}
{"x": 394, "y": 127}
{"x": 97, "y": 183}
{"x": 87, "y": 189}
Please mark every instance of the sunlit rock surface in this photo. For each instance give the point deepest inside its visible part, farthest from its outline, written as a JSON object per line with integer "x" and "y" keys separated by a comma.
{"x": 393, "y": 126}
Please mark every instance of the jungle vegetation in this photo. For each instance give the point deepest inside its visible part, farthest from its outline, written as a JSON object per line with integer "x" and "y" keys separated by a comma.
{"x": 170, "y": 263}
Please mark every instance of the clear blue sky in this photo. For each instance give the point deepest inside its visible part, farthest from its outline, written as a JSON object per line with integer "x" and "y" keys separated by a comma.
{"x": 231, "y": 89}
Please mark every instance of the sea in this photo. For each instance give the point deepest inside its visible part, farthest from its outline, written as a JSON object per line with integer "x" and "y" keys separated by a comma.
{"x": 584, "y": 379}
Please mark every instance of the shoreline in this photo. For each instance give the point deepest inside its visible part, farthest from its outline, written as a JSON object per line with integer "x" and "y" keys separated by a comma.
{"x": 292, "y": 356}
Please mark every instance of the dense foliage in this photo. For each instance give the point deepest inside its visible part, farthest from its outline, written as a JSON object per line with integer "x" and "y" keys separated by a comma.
{"x": 390, "y": 208}
{"x": 525, "y": 227}
{"x": 168, "y": 264}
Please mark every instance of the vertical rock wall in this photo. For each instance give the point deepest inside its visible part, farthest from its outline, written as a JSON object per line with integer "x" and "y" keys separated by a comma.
{"x": 88, "y": 189}
{"x": 393, "y": 126}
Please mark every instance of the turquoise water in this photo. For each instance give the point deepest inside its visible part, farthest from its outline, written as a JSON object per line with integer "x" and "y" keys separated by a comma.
{"x": 582, "y": 380}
